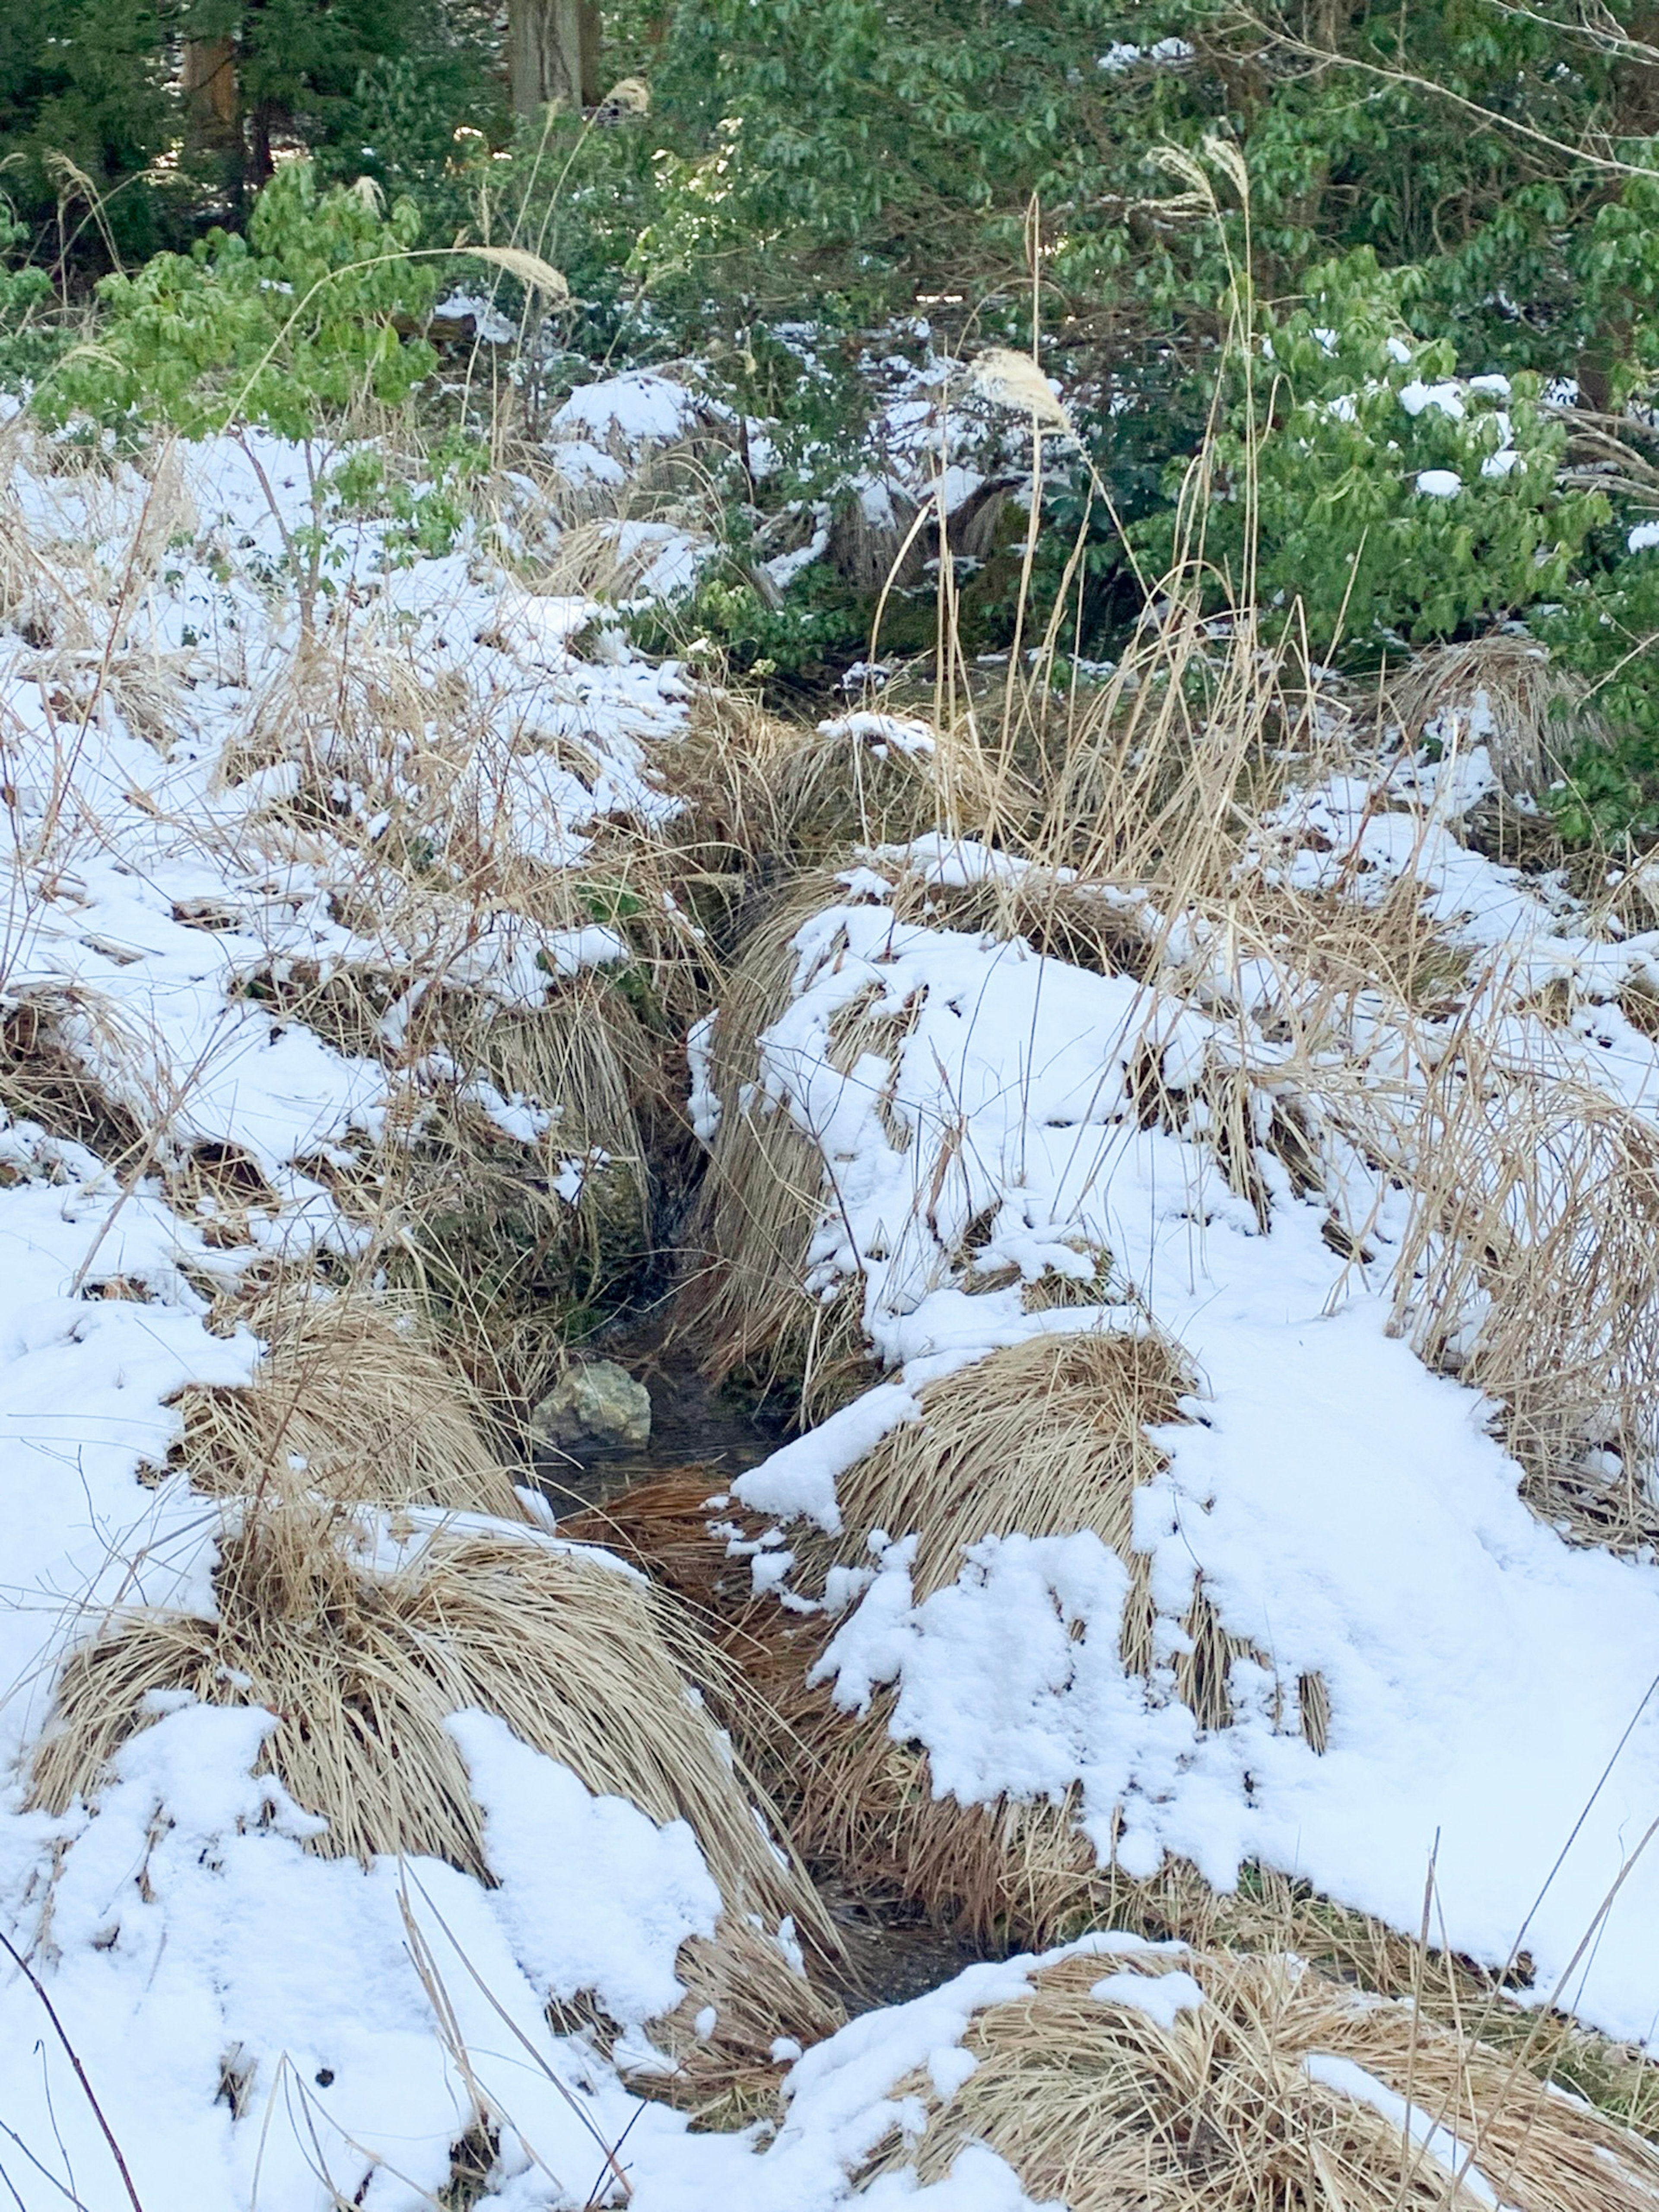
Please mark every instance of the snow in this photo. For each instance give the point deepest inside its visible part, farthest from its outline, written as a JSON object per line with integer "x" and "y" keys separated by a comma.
{"x": 625, "y": 414}
{"x": 1121, "y": 57}
{"x": 1161, "y": 1997}
{"x": 1348, "y": 1509}
{"x": 192, "y": 833}
{"x": 1446, "y": 397}
{"x": 629, "y": 1893}
{"x": 1439, "y": 483}
{"x": 263, "y": 2026}
{"x": 488, "y": 325}
{"x": 883, "y": 734}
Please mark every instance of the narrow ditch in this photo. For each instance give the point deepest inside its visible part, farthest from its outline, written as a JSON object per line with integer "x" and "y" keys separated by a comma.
{"x": 893, "y": 1951}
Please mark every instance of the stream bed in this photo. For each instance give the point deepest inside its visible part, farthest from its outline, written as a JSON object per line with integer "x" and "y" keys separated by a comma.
{"x": 893, "y": 1952}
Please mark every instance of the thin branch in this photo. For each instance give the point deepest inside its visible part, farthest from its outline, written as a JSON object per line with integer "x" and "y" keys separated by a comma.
{"x": 1328, "y": 58}
{"x": 38, "y": 1987}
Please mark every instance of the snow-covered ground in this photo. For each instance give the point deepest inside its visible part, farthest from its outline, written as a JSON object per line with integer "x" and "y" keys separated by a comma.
{"x": 203, "y": 804}
{"x": 1494, "y": 1689}
{"x": 259, "y": 2025}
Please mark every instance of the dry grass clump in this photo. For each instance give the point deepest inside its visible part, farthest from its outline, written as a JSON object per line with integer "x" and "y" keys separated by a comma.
{"x": 362, "y": 1666}
{"x": 764, "y": 1192}
{"x": 1276, "y": 2090}
{"x": 1045, "y": 1438}
{"x": 769, "y": 793}
{"x": 43, "y": 1081}
{"x": 77, "y": 1067}
{"x": 861, "y": 1808}
{"x": 856, "y": 1801}
{"x": 862, "y": 1803}
{"x": 524, "y": 1151}
{"x": 1532, "y": 1272}
{"x": 352, "y": 1400}
{"x": 1502, "y": 692}
{"x": 1042, "y": 1437}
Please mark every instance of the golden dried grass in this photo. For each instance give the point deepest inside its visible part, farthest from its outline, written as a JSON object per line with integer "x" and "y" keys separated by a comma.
{"x": 1044, "y": 1437}
{"x": 1502, "y": 692}
{"x": 863, "y": 1802}
{"x": 1235, "y": 2105}
{"x": 1532, "y": 1270}
{"x": 861, "y": 1806}
{"x": 361, "y": 1669}
{"x": 352, "y": 1400}
{"x": 45, "y": 1080}
{"x": 764, "y": 1194}
{"x": 1048, "y": 1437}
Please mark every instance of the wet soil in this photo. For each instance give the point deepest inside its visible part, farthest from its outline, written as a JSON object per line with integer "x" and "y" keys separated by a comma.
{"x": 693, "y": 1423}
{"x": 893, "y": 1953}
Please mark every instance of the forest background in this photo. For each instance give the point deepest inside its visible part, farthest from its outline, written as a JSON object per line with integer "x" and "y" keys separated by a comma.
{"x": 1392, "y": 269}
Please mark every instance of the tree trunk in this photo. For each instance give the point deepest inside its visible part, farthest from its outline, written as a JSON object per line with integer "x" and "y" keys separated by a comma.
{"x": 554, "y": 54}
{"x": 213, "y": 106}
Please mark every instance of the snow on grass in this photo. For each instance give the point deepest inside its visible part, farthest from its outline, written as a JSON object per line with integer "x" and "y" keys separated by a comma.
{"x": 203, "y": 807}
{"x": 1348, "y": 1510}
{"x": 163, "y": 863}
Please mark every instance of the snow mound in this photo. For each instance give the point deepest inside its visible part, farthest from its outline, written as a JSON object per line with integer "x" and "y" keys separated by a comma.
{"x": 1347, "y": 1510}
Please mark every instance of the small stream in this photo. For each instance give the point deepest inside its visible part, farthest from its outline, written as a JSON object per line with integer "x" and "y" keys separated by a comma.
{"x": 893, "y": 1952}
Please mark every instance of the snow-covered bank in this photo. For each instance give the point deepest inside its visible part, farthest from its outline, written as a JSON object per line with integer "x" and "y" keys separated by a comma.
{"x": 457, "y": 790}
{"x": 1493, "y": 1710}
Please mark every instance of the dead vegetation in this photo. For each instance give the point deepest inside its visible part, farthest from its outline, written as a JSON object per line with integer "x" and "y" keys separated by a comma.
{"x": 1502, "y": 692}
{"x": 1212, "y": 2083}
{"x": 1531, "y": 1272}
{"x": 1130, "y": 812}
{"x": 361, "y": 1663}
{"x": 861, "y": 1802}
{"x": 353, "y": 1401}
{"x": 862, "y": 1809}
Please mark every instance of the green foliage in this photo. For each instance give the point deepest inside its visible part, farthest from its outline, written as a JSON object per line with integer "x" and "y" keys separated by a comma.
{"x": 294, "y": 330}
{"x": 811, "y": 628}
{"x": 284, "y": 328}
{"x": 1394, "y": 499}
{"x": 1608, "y": 628}
{"x": 817, "y": 180}
{"x": 375, "y": 84}
{"x": 30, "y": 339}
{"x": 85, "y": 79}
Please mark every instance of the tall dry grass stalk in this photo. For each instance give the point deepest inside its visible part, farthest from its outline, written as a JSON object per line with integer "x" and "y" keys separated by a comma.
{"x": 1254, "y": 2084}
{"x": 362, "y": 1665}
{"x": 1532, "y": 1270}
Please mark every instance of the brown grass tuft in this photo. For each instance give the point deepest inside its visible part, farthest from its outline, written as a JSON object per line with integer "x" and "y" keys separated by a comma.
{"x": 1044, "y": 1437}
{"x": 1098, "y": 2106}
{"x": 764, "y": 1194}
{"x": 354, "y": 1400}
{"x": 582, "y": 1660}
{"x": 860, "y": 1801}
{"x": 1048, "y": 1438}
{"x": 1532, "y": 1271}
{"x": 1502, "y": 692}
